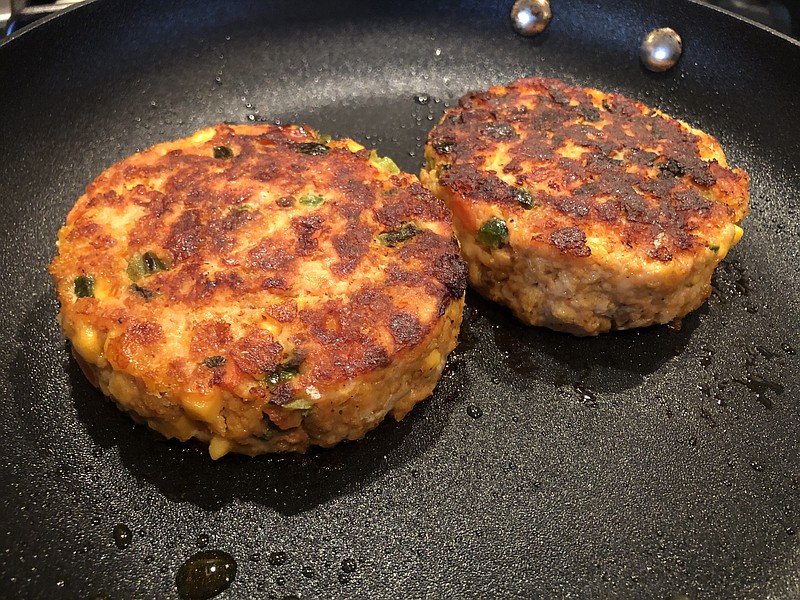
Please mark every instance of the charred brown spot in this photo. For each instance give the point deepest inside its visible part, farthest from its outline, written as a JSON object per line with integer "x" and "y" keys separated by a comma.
{"x": 285, "y": 312}
{"x": 351, "y": 247}
{"x": 210, "y": 336}
{"x": 571, "y": 240}
{"x": 282, "y": 394}
{"x": 663, "y": 254}
{"x": 406, "y": 329}
{"x": 256, "y": 353}
{"x": 306, "y": 229}
{"x": 269, "y": 256}
{"x": 185, "y": 236}
{"x": 499, "y": 131}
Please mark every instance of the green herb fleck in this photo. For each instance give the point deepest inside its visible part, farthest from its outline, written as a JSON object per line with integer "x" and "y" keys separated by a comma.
{"x": 714, "y": 248}
{"x": 324, "y": 138}
{"x": 393, "y": 238}
{"x": 84, "y": 286}
{"x": 144, "y": 265}
{"x": 214, "y": 361}
{"x": 493, "y": 233}
{"x": 524, "y": 197}
{"x": 223, "y": 152}
{"x": 384, "y": 163}
{"x": 311, "y": 200}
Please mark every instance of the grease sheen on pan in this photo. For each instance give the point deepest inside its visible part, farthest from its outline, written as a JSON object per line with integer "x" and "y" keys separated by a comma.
{"x": 260, "y": 288}
{"x": 584, "y": 211}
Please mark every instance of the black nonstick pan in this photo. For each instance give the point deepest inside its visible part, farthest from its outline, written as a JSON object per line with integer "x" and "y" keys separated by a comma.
{"x": 660, "y": 463}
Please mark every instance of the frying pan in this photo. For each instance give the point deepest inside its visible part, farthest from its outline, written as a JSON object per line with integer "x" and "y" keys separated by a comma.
{"x": 659, "y": 463}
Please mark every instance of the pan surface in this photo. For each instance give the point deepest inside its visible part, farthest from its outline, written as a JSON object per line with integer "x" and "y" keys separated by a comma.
{"x": 653, "y": 463}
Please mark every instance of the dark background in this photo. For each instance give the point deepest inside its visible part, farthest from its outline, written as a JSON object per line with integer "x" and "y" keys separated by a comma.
{"x": 651, "y": 463}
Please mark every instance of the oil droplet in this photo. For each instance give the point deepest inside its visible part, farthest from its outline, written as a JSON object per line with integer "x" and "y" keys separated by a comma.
{"x": 348, "y": 565}
{"x": 255, "y": 557}
{"x": 307, "y": 572}
{"x": 788, "y": 349}
{"x": 757, "y": 467}
{"x": 278, "y": 558}
{"x": 205, "y": 574}
{"x": 422, "y": 98}
{"x": 474, "y": 411}
{"x": 202, "y": 540}
{"x": 122, "y": 536}
{"x": 790, "y": 531}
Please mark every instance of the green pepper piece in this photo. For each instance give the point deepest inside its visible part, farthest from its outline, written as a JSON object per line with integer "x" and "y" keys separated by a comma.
{"x": 384, "y": 163}
{"x": 84, "y": 286}
{"x": 223, "y": 152}
{"x": 313, "y": 148}
{"x": 524, "y": 197}
{"x": 311, "y": 200}
{"x": 214, "y": 361}
{"x": 288, "y": 369}
{"x": 299, "y": 404}
{"x": 144, "y": 265}
{"x": 493, "y": 233}
{"x": 393, "y": 238}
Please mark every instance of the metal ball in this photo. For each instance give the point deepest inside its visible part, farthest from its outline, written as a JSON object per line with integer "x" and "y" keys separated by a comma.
{"x": 531, "y": 16}
{"x": 661, "y": 49}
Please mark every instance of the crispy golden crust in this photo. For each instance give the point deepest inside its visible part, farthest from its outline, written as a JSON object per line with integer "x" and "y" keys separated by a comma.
{"x": 587, "y": 179}
{"x": 255, "y": 270}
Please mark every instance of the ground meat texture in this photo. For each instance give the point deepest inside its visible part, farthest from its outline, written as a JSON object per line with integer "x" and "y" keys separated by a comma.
{"x": 584, "y": 211}
{"x": 245, "y": 296}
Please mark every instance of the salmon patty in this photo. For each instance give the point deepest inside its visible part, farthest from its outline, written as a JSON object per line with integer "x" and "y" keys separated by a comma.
{"x": 260, "y": 288}
{"x": 584, "y": 211}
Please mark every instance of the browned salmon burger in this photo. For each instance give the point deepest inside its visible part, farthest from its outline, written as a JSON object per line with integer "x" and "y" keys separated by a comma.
{"x": 260, "y": 288}
{"x": 584, "y": 211}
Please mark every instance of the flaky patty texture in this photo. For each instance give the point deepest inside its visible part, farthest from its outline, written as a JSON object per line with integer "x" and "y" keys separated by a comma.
{"x": 584, "y": 211}
{"x": 260, "y": 288}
